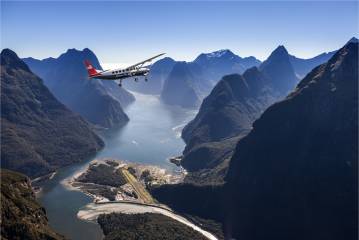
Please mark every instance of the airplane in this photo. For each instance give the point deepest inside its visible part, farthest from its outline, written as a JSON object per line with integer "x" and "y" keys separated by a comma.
{"x": 120, "y": 73}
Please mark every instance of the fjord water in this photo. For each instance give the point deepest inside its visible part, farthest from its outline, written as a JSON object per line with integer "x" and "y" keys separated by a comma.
{"x": 150, "y": 137}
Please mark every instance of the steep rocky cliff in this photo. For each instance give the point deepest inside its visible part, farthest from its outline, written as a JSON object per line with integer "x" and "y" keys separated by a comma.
{"x": 38, "y": 133}
{"x": 294, "y": 176}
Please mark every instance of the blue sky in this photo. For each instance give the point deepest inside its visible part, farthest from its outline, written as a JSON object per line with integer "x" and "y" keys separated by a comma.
{"x": 125, "y": 32}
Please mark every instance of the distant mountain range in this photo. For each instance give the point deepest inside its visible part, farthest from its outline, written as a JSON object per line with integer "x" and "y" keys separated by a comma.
{"x": 303, "y": 66}
{"x": 223, "y": 62}
{"x": 38, "y": 133}
{"x": 99, "y": 102}
{"x": 208, "y": 68}
{"x": 199, "y": 77}
{"x": 190, "y": 81}
{"x": 228, "y": 112}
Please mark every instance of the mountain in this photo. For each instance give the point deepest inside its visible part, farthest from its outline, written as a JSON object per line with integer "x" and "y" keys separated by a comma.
{"x": 303, "y": 66}
{"x": 353, "y": 40}
{"x": 67, "y": 79}
{"x": 22, "y": 217}
{"x": 179, "y": 88}
{"x": 159, "y": 71}
{"x": 234, "y": 103}
{"x": 294, "y": 176}
{"x": 38, "y": 133}
{"x": 279, "y": 68}
{"x": 201, "y": 75}
{"x": 228, "y": 112}
{"x": 224, "y": 62}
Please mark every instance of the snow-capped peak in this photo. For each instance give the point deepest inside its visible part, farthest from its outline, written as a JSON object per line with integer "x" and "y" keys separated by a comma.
{"x": 218, "y": 53}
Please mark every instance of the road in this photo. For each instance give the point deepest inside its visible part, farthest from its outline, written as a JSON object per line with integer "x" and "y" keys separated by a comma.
{"x": 138, "y": 187}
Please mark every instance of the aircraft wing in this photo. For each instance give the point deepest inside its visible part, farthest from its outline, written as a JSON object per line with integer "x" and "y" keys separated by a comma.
{"x": 147, "y": 60}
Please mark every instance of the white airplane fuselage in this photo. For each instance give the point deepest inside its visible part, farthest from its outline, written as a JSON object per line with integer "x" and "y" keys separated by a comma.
{"x": 114, "y": 74}
{"x": 135, "y": 70}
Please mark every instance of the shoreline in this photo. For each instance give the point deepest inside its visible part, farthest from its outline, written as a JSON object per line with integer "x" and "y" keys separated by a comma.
{"x": 36, "y": 183}
{"x": 163, "y": 175}
{"x": 92, "y": 210}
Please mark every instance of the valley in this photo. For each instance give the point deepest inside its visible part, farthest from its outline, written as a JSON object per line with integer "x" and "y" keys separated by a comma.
{"x": 131, "y": 166}
{"x": 153, "y": 125}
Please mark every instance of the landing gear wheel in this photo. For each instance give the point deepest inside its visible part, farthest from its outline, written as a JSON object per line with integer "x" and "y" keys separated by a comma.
{"x": 136, "y": 80}
{"x": 120, "y": 84}
{"x": 146, "y": 80}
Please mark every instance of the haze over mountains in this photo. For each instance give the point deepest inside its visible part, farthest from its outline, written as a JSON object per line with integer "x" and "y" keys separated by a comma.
{"x": 198, "y": 79}
{"x": 182, "y": 86}
{"x": 99, "y": 102}
{"x": 303, "y": 66}
{"x": 156, "y": 78}
{"x": 189, "y": 82}
{"x": 38, "y": 133}
{"x": 200, "y": 76}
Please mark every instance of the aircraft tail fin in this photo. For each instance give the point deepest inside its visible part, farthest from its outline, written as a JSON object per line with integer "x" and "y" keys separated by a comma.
{"x": 90, "y": 68}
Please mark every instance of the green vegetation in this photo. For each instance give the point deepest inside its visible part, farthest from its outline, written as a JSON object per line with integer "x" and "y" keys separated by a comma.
{"x": 22, "y": 217}
{"x": 147, "y": 226}
{"x": 103, "y": 174}
{"x": 146, "y": 176}
{"x": 132, "y": 171}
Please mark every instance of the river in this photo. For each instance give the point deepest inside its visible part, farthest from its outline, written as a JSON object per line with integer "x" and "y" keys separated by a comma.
{"x": 150, "y": 137}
